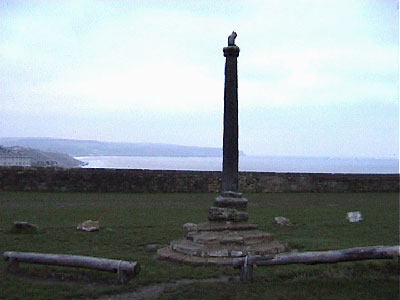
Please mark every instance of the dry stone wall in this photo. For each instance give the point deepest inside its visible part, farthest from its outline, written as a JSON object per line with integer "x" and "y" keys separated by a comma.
{"x": 152, "y": 181}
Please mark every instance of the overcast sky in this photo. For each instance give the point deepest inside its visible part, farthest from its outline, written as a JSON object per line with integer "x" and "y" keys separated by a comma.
{"x": 316, "y": 78}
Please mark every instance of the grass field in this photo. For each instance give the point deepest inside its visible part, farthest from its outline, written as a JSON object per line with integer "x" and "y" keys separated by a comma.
{"x": 130, "y": 222}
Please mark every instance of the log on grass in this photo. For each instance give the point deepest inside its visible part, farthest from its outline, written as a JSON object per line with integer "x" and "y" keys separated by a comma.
{"x": 317, "y": 257}
{"x": 124, "y": 269}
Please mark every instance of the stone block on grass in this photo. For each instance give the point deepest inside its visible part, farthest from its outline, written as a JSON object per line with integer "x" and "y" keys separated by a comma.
{"x": 88, "y": 226}
{"x": 282, "y": 221}
{"x": 24, "y": 227}
{"x": 354, "y": 216}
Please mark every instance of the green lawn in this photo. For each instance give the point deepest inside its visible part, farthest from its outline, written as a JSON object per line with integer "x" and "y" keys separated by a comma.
{"x": 129, "y": 222}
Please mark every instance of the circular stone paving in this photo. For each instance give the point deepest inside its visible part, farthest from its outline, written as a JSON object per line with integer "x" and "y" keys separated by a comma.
{"x": 217, "y": 243}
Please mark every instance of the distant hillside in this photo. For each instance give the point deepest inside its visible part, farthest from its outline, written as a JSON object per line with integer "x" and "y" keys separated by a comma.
{"x": 96, "y": 148}
{"x": 41, "y": 158}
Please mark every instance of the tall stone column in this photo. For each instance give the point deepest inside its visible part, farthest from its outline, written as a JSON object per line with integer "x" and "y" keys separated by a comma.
{"x": 230, "y": 206}
{"x": 230, "y": 165}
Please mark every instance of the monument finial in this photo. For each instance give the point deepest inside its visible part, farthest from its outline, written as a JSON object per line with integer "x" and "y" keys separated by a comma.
{"x": 231, "y": 39}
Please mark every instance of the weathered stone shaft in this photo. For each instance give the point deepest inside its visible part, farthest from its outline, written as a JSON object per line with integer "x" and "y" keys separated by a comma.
{"x": 230, "y": 165}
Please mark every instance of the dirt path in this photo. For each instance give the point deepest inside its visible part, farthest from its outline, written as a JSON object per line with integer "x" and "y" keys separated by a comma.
{"x": 157, "y": 289}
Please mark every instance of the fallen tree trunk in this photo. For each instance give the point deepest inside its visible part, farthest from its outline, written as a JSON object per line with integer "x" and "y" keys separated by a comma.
{"x": 124, "y": 269}
{"x": 317, "y": 257}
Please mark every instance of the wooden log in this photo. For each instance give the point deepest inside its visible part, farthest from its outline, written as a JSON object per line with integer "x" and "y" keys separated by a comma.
{"x": 316, "y": 257}
{"x": 124, "y": 269}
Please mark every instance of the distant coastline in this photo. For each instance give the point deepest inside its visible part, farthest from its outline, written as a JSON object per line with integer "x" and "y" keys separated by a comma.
{"x": 154, "y": 156}
{"x": 248, "y": 163}
{"x": 96, "y": 148}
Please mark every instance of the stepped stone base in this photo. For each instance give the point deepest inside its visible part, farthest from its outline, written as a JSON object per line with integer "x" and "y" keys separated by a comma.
{"x": 225, "y": 236}
{"x": 218, "y": 243}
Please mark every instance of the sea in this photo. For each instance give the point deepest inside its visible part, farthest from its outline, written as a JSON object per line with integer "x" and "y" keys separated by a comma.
{"x": 249, "y": 163}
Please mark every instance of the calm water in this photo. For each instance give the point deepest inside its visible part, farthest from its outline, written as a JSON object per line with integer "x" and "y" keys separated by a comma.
{"x": 247, "y": 163}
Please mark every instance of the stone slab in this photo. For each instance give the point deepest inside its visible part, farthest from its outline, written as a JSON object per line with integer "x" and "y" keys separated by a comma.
{"x": 190, "y": 226}
{"x": 248, "y": 237}
{"x": 240, "y": 203}
{"x": 273, "y": 247}
{"x": 167, "y": 253}
{"x": 232, "y": 239}
{"x": 189, "y": 248}
{"x": 221, "y": 226}
{"x": 227, "y": 214}
{"x": 231, "y": 194}
{"x": 204, "y": 237}
{"x": 256, "y": 236}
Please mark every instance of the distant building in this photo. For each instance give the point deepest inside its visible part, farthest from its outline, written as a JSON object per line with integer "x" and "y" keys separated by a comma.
{"x": 17, "y": 156}
{"x": 45, "y": 163}
{"x": 11, "y": 158}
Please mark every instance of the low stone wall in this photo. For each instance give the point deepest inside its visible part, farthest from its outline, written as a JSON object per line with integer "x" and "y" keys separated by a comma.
{"x": 150, "y": 181}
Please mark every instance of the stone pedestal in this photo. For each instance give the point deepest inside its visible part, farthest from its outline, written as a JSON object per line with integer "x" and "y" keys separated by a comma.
{"x": 230, "y": 206}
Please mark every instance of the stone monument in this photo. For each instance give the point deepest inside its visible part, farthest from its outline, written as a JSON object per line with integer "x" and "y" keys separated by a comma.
{"x": 227, "y": 234}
